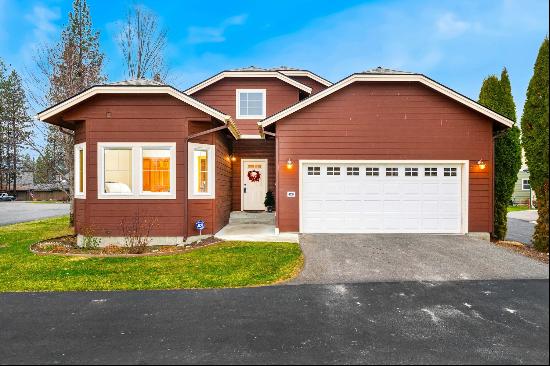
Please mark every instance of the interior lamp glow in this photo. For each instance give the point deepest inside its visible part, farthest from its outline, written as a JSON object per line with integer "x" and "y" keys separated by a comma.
{"x": 289, "y": 163}
{"x": 481, "y": 164}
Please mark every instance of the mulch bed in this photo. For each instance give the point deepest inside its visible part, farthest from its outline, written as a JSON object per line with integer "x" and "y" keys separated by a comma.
{"x": 523, "y": 250}
{"x": 66, "y": 245}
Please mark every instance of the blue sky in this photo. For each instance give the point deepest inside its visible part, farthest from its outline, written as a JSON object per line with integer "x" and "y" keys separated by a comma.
{"x": 457, "y": 43}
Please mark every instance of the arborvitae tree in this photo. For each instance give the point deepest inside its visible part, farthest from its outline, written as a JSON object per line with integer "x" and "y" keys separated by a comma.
{"x": 497, "y": 95}
{"x": 534, "y": 125}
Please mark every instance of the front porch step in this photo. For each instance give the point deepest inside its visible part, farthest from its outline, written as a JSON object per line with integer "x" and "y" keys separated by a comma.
{"x": 243, "y": 217}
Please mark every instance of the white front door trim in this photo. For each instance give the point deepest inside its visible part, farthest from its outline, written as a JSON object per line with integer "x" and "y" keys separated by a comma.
{"x": 465, "y": 170}
{"x": 265, "y": 180}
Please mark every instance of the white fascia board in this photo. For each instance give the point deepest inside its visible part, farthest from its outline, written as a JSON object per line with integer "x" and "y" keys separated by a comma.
{"x": 131, "y": 90}
{"x": 251, "y": 137}
{"x": 373, "y": 77}
{"x": 248, "y": 74}
{"x": 308, "y": 74}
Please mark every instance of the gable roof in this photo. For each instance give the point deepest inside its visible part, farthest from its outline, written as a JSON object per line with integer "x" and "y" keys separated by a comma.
{"x": 380, "y": 75}
{"x": 250, "y": 72}
{"x": 139, "y": 86}
{"x": 306, "y": 73}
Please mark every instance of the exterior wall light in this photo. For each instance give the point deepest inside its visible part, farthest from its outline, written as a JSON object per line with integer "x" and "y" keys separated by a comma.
{"x": 289, "y": 163}
{"x": 481, "y": 164}
{"x": 232, "y": 158}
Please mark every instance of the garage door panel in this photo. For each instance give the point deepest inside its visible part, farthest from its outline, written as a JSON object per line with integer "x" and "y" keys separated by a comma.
{"x": 362, "y": 203}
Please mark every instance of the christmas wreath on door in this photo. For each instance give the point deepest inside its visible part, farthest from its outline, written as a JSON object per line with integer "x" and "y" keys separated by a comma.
{"x": 254, "y": 175}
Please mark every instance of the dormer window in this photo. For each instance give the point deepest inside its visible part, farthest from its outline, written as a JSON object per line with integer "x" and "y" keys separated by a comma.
{"x": 251, "y": 103}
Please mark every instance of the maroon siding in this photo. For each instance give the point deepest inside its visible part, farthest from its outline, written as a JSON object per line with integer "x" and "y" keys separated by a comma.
{"x": 252, "y": 149}
{"x": 224, "y": 172}
{"x": 315, "y": 86}
{"x": 386, "y": 121}
{"x": 214, "y": 212}
{"x": 222, "y": 96}
{"x": 135, "y": 118}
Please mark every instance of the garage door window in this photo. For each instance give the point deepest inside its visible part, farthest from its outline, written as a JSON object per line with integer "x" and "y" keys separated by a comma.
{"x": 430, "y": 172}
{"x": 449, "y": 172}
{"x": 353, "y": 170}
{"x": 392, "y": 172}
{"x": 333, "y": 170}
{"x": 313, "y": 170}
{"x": 411, "y": 172}
{"x": 373, "y": 172}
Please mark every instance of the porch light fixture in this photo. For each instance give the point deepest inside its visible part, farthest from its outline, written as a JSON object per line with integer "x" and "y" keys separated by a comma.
{"x": 289, "y": 163}
{"x": 232, "y": 158}
{"x": 481, "y": 164}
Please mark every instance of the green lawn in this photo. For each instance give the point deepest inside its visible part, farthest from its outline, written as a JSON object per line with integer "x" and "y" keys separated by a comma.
{"x": 517, "y": 208}
{"x": 230, "y": 264}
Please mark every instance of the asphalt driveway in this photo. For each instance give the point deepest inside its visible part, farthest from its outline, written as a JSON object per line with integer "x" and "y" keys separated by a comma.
{"x": 332, "y": 258}
{"x": 14, "y": 212}
{"x": 521, "y": 226}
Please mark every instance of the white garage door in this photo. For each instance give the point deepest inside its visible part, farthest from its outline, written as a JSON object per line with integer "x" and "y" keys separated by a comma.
{"x": 381, "y": 198}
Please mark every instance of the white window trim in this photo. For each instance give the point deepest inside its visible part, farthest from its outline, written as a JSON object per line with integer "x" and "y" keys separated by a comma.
{"x": 137, "y": 176}
{"x": 523, "y": 184}
{"x": 238, "y": 106}
{"x": 211, "y": 151}
{"x": 77, "y": 149}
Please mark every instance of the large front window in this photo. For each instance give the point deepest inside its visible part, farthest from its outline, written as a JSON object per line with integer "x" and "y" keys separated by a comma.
{"x": 251, "y": 103}
{"x": 136, "y": 170}
{"x": 201, "y": 171}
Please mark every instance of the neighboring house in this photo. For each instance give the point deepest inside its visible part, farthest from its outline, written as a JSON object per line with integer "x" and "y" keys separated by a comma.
{"x": 380, "y": 151}
{"x": 522, "y": 190}
{"x": 27, "y": 190}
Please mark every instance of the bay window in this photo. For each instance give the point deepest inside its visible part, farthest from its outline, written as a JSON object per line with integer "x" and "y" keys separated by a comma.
{"x": 136, "y": 170}
{"x": 201, "y": 171}
{"x": 80, "y": 170}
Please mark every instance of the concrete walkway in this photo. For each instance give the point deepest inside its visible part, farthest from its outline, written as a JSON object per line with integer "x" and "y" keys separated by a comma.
{"x": 255, "y": 232}
{"x": 254, "y": 226}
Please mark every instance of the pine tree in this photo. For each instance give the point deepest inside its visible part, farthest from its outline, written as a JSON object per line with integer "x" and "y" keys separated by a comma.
{"x": 534, "y": 124}
{"x": 73, "y": 65}
{"x": 496, "y": 95}
{"x": 16, "y": 122}
{"x": 3, "y": 131}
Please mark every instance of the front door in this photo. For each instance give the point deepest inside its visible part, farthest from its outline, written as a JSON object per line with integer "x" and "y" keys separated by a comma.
{"x": 254, "y": 184}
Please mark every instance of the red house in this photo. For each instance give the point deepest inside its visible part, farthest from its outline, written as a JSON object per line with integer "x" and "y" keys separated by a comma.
{"x": 380, "y": 151}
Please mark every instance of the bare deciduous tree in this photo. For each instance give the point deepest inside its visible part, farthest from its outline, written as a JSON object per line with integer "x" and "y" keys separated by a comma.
{"x": 142, "y": 43}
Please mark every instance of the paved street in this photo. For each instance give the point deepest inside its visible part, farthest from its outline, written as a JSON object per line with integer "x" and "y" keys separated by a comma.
{"x": 521, "y": 226}
{"x": 503, "y": 321}
{"x": 14, "y": 212}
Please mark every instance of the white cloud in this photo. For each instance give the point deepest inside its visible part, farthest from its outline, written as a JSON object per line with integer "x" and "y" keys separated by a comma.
{"x": 449, "y": 26}
{"x": 43, "y": 20}
{"x": 214, "y": 34}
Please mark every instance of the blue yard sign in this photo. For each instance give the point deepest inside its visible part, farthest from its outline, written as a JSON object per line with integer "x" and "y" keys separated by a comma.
{"x": 199, "y": 225}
